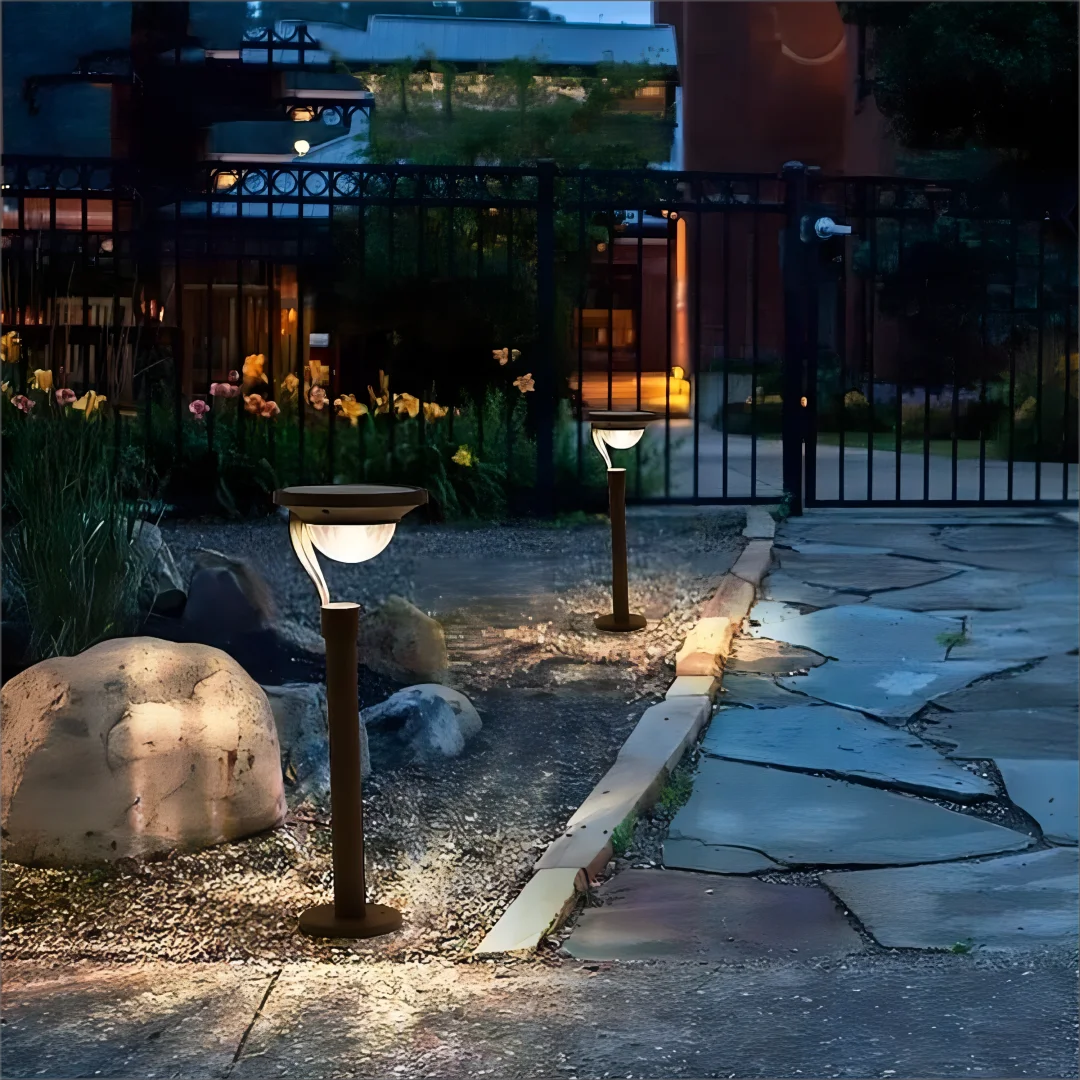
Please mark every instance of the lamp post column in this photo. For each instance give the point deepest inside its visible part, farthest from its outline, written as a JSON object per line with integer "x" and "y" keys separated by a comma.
{"x": 620, "y": 589}
{"x": 340, "y": 629}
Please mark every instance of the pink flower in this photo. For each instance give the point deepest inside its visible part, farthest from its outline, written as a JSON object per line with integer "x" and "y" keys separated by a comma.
{"x": 223, "y": 389}
{"x": 22, "y": 402}
{"x": 269, "y": 409}
{"x": 65, "y": 397}
{"x": 198, "y": 408}
{"x": 254, "y": 403}
{"x": 318, "y": 397}
{"x": 234, "y": 376}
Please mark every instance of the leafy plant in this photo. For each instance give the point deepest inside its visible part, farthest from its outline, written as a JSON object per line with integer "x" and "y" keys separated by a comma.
{"x": 950, "y": 639}
{"x": 623, "y": 834}
{"x": 69, "y": 559}
{"x": 676, "y": 791}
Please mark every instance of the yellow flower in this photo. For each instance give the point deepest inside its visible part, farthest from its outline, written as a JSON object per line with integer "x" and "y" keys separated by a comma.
{"x": 504, "y": 356}
{"x": 854, "y": 397}
{"x": 463, "y": 456}
{"x": 320, "y": 373}
{"x": 433, "y": 411}
{"x": 406, "y": 404}
{"x": 350, "y": 407}
{"x": 9, "y": 348}
{"x": 525, "y": 383}
{"x": 89, "y": 402}
{"x": 253, "y": 367}
{"x": 290, "y": 383}
{"x": 381, "y": 402}
{"x": 1026, "y": 411}
{"x": 5, "y": 389}
{"x": 42, "y": 380}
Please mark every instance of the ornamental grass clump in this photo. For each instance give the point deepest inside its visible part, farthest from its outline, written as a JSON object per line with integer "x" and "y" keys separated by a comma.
{"x": 70, "y": 568}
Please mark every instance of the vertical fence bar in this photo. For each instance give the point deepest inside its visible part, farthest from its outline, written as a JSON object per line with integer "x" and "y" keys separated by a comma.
{"x": 1012, "y": 351}
{"x": 1039, "y": 366}
{"x": 726, "y": 270}
{"x": 871, "y": 207}
{"x": 583, "y": 297}
{"x": 545, "y": 305}
{"x": 695, "y": 300}
{"x": 755, "y": 288}
{"x": 808, "y": 404}
{"x": 361, "y": 259}
{"x": 671, "y": 238}
{"x": 897, "y": 384}
{"x": 301, "y": 330}
{"x": 84, "y": 342}
{"x": 955, "y": 426}
{"x": 610, "y": 304}
{"x": 842, "y": 350}
{"x": 794, "y": 176}
{"x": 179, "y": 350}
{"x": 1065, "y": 455}
{"x": 209, "y": 314}
{"x": 985, "y": 356}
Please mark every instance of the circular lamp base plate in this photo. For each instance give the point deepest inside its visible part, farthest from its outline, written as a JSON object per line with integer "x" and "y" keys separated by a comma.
{"x": 611, "y": 625}
{"x": 320, "y": 921}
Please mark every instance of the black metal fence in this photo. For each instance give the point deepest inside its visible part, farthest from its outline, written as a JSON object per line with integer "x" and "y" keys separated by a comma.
{"x": 476, "y": 314}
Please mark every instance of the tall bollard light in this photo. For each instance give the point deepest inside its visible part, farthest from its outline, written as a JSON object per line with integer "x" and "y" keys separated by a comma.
{"x": 348, "y": 523}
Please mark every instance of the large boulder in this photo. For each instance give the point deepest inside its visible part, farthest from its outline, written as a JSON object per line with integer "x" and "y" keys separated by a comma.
{"x": 162, "y": 588}
{"x": 300, "y": 715}
{"x": 133, "y": 747}
{"x": 398, "y": 640}
{"x": 422, "y": 723}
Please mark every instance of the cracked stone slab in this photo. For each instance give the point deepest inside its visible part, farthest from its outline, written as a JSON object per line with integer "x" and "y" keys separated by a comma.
{"x": 801, "y": 820}
{"x": 652, "y": 914}
{"x": 756, "y": 692}
{"x": 1015, "y": 538}
{"x": 1013, "y": 902}
{"x": 1048, "y": 790}
{"x": 1050, "y": 684}
{"x": 1024, "y": 634}
{"x": 767, "y": 612}
{"x": 975, "y": 589}
{"x": 811, "y": 547}
{"x": 682, "y": 854}
{"x": 863, "y": 573}
{"x": 761, "y": 656}
{"x": 865, "y": 632}
{"x": 788, "y": 588}
{"x": 819, "y": 738}
{"x": 892, "y": 691}
{"x": 1009, "y": 733}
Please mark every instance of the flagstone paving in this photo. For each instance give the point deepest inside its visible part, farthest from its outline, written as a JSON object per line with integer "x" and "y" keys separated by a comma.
{"x": 960, "y": 628}
{"x": 893, "y": 691}
{"x": 649, "y": 914}
{"x": 1048, "y": 790}
{"x": 801, "y": 820}
{"x": 840, "y": 743}
{"x": 867, "y": 633}
{"x": 1007, "y": 733}
{"x": 1011, "y": 902}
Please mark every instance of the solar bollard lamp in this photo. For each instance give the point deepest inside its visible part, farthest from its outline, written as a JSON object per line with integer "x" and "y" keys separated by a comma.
{"x": 620, "y": 431}
{"x": 348, "y": 523}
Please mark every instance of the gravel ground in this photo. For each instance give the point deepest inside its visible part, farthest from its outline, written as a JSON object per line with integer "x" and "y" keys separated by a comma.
{"x": 450, "y": 843}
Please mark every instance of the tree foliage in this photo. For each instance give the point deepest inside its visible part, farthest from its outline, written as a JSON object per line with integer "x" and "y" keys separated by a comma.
{"x": 998, "y": 76}
{"x": 513, "y": 117}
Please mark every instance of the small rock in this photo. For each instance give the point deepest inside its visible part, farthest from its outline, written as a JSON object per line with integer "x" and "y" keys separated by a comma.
{"x": 162, "y": 589}
{"x": 398, "y": 640}
{"x": 425, "y": 721}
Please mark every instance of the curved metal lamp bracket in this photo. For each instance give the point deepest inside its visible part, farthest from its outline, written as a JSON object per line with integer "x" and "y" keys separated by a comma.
{"x": 305, "y": 552}
{"x": 601, "y": 445}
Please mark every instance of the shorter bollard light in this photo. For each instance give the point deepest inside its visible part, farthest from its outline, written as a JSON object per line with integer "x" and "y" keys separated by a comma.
{"x": 348, "y": 523}
{"x": 620, "y": 431}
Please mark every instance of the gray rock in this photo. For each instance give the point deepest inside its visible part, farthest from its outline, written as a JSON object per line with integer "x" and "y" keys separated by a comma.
{"x": 803, "y": 820}
{"x": 823, "y": 739}
{"x": 1048, "y": 790}
{"x": 649, "y": 914}
{"x": 162, "y": 589}
{"x": 892, "y": 691}
{"x": 1008, "y": 733}
{"x": 1014, "y": 902}
{"x": 427, "y": 721}
{"x": 864, "y": 632}
{"x": 300, "y": 715}
{"x": 226, "y": 597}
{"x": 1050, "y": 684}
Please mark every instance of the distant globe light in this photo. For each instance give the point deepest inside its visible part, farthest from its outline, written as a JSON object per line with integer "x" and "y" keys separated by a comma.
{"x": 301, "y": 146}
{"x": 331, "y": 117}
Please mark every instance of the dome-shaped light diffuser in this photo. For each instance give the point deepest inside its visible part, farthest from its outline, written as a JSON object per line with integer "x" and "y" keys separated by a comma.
{"x": 351, "y": 543}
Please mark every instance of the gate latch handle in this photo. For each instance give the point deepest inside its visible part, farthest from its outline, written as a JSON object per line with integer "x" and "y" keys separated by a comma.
{"x": 825, "y": 227}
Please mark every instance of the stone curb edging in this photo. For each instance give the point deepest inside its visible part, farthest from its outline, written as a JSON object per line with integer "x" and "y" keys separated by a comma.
{"x": 643, "y": 764}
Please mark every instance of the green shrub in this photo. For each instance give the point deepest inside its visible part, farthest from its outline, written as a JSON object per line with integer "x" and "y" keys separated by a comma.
{"x": 69, "y": 563}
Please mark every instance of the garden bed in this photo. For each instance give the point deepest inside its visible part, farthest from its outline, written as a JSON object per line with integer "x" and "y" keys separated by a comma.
{"x": 452, "y": 842}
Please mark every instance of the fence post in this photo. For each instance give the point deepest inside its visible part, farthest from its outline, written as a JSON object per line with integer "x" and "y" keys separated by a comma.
{"x": 545, "y": 338}
{"x": 794, "y": 272}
